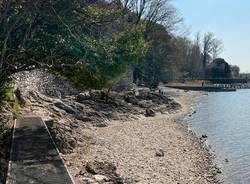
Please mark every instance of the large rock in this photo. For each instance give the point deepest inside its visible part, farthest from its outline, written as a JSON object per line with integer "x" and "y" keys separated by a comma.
{"x": 100, "y": 124}
{"x": 58, "y": 111}
{"x": 101, "y": 178}
{"x": 72, "y": 143}
{"x": 131, "y": 99}
{"x": 150, "y": 113}
{"x": 160, "y": 153}
{"x": 82, "y": 97}
{"x": 105, "y": 169}
{"x": 87, "y": 180}
{"x": 83, "y": 117}
{"x": 65, "y": 107}
{"x": 146, "y": 104}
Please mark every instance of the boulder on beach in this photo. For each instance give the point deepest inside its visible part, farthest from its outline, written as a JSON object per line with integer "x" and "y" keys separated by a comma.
{"x": 150, "y": 113}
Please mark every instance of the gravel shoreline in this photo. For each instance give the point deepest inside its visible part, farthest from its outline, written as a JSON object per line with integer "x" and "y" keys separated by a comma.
{"x": 145, "y": 150}
{"x": 114, "y": 143}
{"x": 149, "y": 150}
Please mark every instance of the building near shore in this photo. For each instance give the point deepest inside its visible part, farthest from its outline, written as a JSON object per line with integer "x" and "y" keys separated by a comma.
{"x": 245, "y": 75}
{"x": 235, "y": 71}
{"x": 219, "y": 68}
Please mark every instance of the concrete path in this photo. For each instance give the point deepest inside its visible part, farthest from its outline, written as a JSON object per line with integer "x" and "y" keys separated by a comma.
{"x": 34, "y": 157}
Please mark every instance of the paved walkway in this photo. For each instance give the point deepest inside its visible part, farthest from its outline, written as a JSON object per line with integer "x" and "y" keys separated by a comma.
{"x": 34, "y": 158}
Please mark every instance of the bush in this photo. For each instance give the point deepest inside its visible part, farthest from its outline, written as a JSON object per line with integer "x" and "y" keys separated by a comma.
{"x": 12, "y": 102}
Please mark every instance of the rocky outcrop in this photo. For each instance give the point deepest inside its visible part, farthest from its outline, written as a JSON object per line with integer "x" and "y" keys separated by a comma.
{"x": 68, "y": 113}
{"x": 67, "y": 108}
{"x": 85, "y": 109}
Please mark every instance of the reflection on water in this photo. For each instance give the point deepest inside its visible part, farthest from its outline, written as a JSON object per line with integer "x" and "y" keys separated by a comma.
{"x": 225, "y": 119}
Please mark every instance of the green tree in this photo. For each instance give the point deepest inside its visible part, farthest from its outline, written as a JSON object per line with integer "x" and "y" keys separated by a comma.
{"x": 107, "y": 59}
{"x": 80, "y": 39}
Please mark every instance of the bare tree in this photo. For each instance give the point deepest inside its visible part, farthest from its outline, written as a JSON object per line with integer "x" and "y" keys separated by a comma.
{"x": 196, "y": 55}
{"x": 207, "y": 48}
{"x": 212, "y": 47}
{"x": 154, "y": 11}
{"x": 217, "y": 48}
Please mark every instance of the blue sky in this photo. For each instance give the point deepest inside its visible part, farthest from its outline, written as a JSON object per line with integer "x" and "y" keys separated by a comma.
{"x": 229, "y": 20}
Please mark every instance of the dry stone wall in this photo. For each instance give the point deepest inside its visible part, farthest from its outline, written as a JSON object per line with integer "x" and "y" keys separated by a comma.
{"x": 44, "y": 83}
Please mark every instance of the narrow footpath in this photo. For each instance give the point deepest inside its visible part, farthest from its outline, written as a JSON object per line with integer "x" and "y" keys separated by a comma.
{"x": 34, "y": 157}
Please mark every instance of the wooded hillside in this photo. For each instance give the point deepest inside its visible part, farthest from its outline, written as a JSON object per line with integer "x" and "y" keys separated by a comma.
{"x": 92, "y": 42}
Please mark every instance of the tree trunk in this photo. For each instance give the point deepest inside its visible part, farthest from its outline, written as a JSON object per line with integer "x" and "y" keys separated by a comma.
{"x": 107, "y": 94}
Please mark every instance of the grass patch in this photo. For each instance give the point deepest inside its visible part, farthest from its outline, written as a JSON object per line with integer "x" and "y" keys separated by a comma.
{"x": 16, "y": 110}
{"x": 13, "y": 103}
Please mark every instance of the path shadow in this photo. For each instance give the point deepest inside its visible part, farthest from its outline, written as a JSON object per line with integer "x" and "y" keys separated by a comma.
{"x": 34, "y": 156}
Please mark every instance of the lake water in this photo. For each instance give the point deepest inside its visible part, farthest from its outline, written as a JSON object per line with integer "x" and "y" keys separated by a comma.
{"x": 225, "y": 119}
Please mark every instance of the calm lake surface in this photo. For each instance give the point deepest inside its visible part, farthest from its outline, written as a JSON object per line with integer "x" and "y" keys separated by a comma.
{"x": 225, "y": 119}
